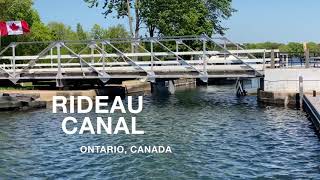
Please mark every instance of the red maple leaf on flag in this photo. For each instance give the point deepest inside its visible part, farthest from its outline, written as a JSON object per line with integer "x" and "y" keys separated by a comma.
{"x": 14, "y": 27}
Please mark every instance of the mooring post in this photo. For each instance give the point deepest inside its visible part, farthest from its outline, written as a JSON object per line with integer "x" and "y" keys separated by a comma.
{"x": 171, "y": 87}
{"x": 152, "y": 54}
{"x": 163, "y": 86}
{"x": 59, "y": 74}
{"x": 204, "y": 56}
{"x": 306, "y": 55}
{"x": 59, "y": 58}
{"x": 314, "y": 93}
{"x": 300, "y": 90}
{"x": 261, "y": 84}
{"x": 272, "y": 59}
{"x": 14, "y": 59}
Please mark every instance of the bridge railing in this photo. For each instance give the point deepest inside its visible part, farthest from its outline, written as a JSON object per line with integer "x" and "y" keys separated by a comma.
{"x": 201, "y": 55}
{"x": 299, "y": 60}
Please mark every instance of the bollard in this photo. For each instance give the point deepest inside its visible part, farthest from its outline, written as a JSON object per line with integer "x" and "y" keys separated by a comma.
{"x": 300, "y": 91}
{"x": 314, "y": 93}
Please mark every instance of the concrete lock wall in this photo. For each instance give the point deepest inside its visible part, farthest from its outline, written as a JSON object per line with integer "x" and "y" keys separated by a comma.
{"x": 287, "y": 80}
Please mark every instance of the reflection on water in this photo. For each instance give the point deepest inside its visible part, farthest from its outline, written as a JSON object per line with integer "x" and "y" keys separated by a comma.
{"x": 212, "y": 134}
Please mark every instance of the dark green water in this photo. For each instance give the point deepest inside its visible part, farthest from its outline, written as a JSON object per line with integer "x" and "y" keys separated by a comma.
{"x": 212, "y": 133}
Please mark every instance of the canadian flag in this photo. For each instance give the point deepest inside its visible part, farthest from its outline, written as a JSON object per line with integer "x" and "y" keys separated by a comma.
{"x": 13, "y": 28}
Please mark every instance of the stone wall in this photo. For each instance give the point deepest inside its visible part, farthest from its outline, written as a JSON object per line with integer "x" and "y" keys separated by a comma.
{"x": 20, "y": 101}
{"x": 278, "y": 98}
{"x": 287, "y": 80}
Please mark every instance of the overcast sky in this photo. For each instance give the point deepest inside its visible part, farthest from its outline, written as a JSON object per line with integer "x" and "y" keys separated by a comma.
{"x": 255, "y": 20}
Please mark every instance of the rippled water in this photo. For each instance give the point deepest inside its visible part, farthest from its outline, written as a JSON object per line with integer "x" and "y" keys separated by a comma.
{"x": 212, "y": 134}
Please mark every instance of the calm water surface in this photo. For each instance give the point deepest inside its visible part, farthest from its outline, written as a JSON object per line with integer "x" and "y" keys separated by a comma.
{"x": 212, "y": 134}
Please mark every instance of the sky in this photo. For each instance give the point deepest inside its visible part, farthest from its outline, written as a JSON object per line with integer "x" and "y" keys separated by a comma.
{"x": 255, "y": 20}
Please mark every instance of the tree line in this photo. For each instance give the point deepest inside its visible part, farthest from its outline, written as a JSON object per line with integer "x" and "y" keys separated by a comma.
{"x": 291, "y": 47}
{"x": 158, "y": 17}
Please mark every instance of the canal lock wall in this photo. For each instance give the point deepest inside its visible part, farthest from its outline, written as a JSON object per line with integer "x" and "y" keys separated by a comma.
{"x": 285, "y": 87}
{"x": 170, "y": 86}
{"x": 294, "y": 88}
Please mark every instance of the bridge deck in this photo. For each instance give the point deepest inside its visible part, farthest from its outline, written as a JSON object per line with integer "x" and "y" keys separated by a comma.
{"x": 106, "y": 64}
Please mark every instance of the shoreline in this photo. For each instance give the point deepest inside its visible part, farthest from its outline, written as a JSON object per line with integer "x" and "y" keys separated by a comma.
{"x": 11, "y": 99}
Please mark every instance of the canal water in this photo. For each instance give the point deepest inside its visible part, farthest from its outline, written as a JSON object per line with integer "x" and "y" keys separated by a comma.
{"x": 212, "y": 133}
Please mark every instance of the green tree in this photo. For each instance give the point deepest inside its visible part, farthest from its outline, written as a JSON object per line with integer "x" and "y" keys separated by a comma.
{"x": 60, "y": 31}
{"x": 39, "y": 32}
{"x": 17, "y": 10}
{"x": 264, "y": 45}
{"x": 177, "y": 17}
{"x": 116, "y": 32}
{"x": 97, "y": 32}
{"x": 171, "y": 17}
{"x": 218, "y": 10}
{"x": 313, "y": 47}
{"x": 292, "y": 48}
{"x": 82, "y": 35}
{"x": 123, "y": 8}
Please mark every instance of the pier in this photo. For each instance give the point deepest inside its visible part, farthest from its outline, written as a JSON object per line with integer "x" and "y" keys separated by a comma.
{"x": 311, "y": 104}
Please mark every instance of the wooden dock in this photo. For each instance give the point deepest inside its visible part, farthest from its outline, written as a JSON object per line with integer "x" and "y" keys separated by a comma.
{"x": 312, "y": 106}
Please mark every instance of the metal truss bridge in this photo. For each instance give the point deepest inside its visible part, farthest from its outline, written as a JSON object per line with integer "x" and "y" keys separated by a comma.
{"x": 151, "y": 59}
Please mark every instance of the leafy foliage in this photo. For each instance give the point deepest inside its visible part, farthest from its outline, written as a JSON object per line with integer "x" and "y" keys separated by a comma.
{"x": 82, "y": 35}
{"x": 177, "y": 17}
{"x": 172, "y": 17}
{"x": 39, "y": 32}
{"x": 97, "y": 32}
{"x": 292, "y": 47}
{"x": 314, "y": 47}
{"x": 17, "y": 9}
{"x": 116, "y": 32}
{"x": 110, "y": 6}
{"x": 265, "y": 45}
{"x": 59, "y": 31}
